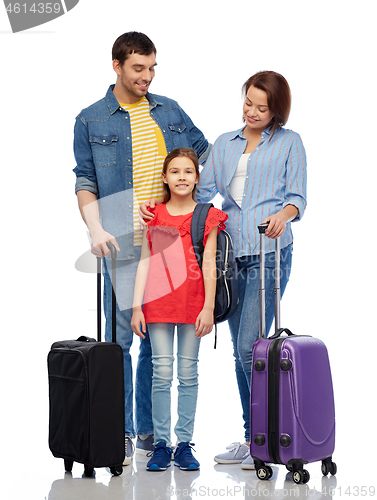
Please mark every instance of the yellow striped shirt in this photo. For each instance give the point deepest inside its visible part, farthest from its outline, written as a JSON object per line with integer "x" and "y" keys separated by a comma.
{"x": 149, "y": 152}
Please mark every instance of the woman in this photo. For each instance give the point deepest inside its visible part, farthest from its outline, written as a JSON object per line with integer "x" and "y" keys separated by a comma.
{"x": 260, "y": 171}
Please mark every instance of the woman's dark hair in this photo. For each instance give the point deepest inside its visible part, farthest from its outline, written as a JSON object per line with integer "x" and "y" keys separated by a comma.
{"x": 132, "y": 42}
{"x": 278, "y": 95}
{"x": 176, "y": 153}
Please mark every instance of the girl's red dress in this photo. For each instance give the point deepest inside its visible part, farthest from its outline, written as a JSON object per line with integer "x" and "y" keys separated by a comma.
{"x": 174, "y": 290}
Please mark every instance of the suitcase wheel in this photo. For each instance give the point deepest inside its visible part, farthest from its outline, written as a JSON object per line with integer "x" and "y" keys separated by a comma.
{"x": 88, "y": 471}
{"x": 68, "y": 464}
{"x": 301, "y": 476}
{"x": 116, "y": 470}
{"x": 264, "y": 473}
{"x": 328, "y": 467}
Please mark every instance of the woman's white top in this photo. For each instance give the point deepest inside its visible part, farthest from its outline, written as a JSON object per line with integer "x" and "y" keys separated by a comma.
{"x": 237, "y": 184}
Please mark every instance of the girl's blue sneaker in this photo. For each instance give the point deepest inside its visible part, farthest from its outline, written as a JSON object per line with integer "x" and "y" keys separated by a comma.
{"x": 161, "y": 457}
{"x": 183, "y": 457}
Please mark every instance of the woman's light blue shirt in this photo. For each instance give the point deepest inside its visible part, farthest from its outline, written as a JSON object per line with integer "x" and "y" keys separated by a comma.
{"x": 275, "y": 178}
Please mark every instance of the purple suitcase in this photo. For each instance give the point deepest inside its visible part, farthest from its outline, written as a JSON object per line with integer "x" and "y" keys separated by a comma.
{"x": 292, "y": 400}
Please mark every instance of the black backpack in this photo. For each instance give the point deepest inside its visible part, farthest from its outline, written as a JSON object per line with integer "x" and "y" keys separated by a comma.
{"x": 226, "y": 299}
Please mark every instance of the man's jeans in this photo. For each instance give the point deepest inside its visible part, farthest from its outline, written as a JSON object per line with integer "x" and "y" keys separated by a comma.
{"x": 244, "y": 324}
{"x": 162, "y": 340}
{"x": 125, "y": 283}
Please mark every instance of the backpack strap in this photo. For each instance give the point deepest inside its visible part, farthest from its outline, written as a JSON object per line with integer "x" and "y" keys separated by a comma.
{"x": 198, "y": 224}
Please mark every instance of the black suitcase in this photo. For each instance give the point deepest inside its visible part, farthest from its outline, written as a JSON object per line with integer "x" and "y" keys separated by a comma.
{"x": 86, "y": 392}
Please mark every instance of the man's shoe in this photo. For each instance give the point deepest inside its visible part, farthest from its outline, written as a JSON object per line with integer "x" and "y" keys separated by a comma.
{"x": 161, "y": 457}
{"x": 236, "y": 455}
{"x": 183, "y": 457}
{"x": 130, "y": 449}
{"x": 145, "y": 446}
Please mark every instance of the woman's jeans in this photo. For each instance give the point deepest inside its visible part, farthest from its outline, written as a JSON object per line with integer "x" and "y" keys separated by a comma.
{"x": 162, "y": 340}
{"x": 244, "y": 324}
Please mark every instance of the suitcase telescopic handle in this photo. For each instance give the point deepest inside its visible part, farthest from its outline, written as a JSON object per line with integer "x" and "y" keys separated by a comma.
{"x": 262, "y": 291}
{"x": 113, "y": 252}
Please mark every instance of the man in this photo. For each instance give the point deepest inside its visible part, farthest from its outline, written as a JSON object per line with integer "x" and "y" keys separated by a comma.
{"x": 120, "y": 143}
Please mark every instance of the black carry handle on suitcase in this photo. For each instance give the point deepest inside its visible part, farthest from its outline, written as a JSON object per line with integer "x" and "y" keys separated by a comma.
{"x": 86, "y": 389}
{"x": 113, "y": 251}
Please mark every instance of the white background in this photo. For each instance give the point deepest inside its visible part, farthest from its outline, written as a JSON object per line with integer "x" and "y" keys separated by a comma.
{"x": 205, "y": 52}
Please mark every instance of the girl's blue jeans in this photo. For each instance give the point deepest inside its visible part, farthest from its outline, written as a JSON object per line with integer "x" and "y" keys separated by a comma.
{"x": 244, "y": 324}
{"x": 162, "y": 342}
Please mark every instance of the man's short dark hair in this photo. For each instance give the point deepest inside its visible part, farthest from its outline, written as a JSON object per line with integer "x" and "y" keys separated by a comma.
{"x": 132, "y": 42}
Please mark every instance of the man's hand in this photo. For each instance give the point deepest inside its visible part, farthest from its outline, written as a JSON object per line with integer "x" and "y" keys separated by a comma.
{"x": 88, "y": 205}
{"x": 99, "y": 239}
{"x": 144, "y": 214}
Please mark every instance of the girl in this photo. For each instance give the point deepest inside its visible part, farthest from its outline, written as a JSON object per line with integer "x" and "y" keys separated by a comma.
{"x": 176, "y": 293}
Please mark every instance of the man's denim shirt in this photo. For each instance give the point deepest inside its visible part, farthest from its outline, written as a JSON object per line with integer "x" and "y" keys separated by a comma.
{"x": 103, "y": 152}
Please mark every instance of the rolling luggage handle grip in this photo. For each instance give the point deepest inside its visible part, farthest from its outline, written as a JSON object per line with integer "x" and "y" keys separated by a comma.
{"x": 280, "y": 331}
{"x": 113, "y": 251}
{"x": 84, "y": 338}
{"x": 262, "y": 291}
